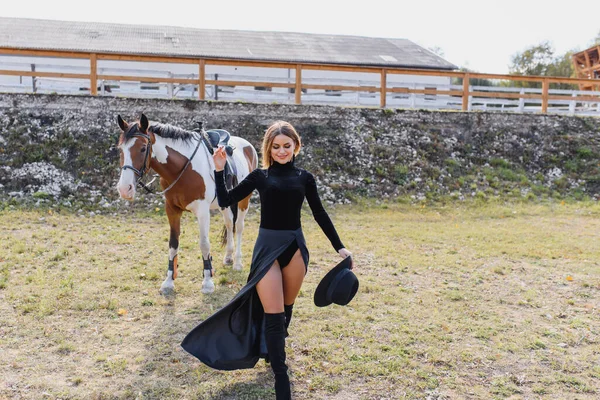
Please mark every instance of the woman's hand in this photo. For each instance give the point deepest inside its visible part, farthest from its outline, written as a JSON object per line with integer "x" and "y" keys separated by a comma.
{"x": 219, "y": 157}
{"x": 344, "y": 252}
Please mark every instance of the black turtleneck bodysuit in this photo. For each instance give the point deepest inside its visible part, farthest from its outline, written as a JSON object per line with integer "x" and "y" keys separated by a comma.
{"x": 282, "y": 189}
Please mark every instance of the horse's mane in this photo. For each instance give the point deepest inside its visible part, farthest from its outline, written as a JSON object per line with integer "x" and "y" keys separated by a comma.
{"x": 172, "y": 132}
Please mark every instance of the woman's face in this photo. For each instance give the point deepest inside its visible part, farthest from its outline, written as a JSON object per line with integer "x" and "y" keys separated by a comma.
{"x": 282, "y": 149}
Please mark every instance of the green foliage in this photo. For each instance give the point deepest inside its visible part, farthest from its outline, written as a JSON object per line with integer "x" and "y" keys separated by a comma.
{"x": 400, "y": 174}
{"x": 453, "y": 166}
{"x": 473, "y": 81}
{"x": 585, "y": 152}
{"x": 533, "y": 61}
{"x": 540, "y": 60}
{"x": 499, "y": 162}
{"x": 41, "y": 195}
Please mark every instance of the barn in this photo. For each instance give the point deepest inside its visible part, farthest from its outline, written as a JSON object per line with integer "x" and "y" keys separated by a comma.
{"x": 48, "y": 56}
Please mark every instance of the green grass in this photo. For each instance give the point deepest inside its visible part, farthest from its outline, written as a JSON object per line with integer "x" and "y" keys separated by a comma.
{"x": 476, "y": 300}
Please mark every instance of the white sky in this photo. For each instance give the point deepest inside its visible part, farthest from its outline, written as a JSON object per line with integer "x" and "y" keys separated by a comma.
{"x": 480, "y": 35}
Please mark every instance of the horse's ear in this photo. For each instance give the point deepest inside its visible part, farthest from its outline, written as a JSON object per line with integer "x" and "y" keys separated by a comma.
{"x": 152, "y": 137}
{"x": 122, "y": 124}
{"x": 144, "y": 123}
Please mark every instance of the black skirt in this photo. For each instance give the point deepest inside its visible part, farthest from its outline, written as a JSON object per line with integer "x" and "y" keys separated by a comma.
{"x": 233, "y": 337}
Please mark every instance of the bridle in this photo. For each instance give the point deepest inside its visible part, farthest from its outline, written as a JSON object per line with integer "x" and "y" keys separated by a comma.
{"x": 146, "y": 166}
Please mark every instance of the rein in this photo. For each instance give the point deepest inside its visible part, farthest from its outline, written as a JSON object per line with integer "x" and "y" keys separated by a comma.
{"x": 183, "y": 170}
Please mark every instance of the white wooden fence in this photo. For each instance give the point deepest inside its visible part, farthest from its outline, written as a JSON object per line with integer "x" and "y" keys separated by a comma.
{"x": 420, "y": 94}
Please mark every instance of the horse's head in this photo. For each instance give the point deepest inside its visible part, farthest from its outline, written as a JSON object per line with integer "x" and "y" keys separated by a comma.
{"x": 135, "y": 145}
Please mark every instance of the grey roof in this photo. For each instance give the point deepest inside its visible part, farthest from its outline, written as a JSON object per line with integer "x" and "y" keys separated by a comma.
{"x": 39, "y": 34}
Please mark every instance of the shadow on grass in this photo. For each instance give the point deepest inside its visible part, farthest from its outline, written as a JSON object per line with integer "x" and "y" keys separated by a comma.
{"x": 165, "y": 368}
{"x": 260, "y": 389}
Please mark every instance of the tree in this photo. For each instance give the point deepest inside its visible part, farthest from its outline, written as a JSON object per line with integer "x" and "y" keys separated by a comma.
{"x": 473, "y": 81}
{"x": 532, "y": 61}
{"x": 540, "y": 60}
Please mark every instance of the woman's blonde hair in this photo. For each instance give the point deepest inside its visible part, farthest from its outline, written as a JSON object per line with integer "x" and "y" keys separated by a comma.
{"x": 276, "y": 129}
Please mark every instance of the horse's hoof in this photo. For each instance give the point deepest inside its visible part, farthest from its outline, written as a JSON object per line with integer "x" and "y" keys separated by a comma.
{"x": 168, "y": 286}
{"x": 228, "y": 260}
{"x": 237, "y": 267}
{"x": 167, "y": 291}
{"x": 208, "y": 288}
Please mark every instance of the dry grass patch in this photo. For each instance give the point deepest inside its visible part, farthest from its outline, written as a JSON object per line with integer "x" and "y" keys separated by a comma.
{"x": 456, "y": 301}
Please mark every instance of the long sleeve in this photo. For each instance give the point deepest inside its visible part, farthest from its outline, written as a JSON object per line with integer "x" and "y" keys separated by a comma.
{"x": 225, "y": 197}
{"x": 320, "y": 214}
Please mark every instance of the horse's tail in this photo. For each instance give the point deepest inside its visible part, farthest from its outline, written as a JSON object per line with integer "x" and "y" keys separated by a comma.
{"x": 234, "y": 210}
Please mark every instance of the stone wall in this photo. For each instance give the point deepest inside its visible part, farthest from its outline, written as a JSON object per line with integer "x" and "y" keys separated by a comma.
{"x": 64, "y": 148}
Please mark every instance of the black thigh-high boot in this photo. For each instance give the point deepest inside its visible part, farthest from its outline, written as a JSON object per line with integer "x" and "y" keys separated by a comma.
{"x": 275, "y": 337}
{"x": 287, "y": 309}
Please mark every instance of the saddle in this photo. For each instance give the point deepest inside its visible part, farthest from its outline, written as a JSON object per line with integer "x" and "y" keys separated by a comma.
{"x": 214, "y": 138}
{"x": 220, "y": 137}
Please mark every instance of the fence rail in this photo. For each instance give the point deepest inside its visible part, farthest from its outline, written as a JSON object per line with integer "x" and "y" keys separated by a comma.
{"x": 389, "y": 92}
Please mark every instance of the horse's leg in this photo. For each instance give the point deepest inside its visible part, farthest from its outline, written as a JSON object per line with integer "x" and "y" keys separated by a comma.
{"x": 202, "y": 212}
{"x": 239, "y": 229}
{"x": 174, "y": 215}
{"x": 228, "y": 220}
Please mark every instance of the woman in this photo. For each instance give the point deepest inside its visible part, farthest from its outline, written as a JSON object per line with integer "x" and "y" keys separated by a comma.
{"x": 255, "y": 322}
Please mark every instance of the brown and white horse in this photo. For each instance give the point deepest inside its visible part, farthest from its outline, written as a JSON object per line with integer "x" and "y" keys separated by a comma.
{"x": 185, "y": 166}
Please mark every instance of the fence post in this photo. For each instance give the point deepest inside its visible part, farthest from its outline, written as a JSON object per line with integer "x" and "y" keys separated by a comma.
{"x": 465, "y": 96}
{"x": 33, "y": 86}
{"x": 170, "y": 86}
{"x": 93, "y": 74}
{"x": 201, "y": 79}
{"x": 298, "y": 84}
{"x": 572, "y": 105}
{"x": 382, "y": 93}
{"x": 216, "y": 87}
{"x": 521, "y": 100}
{"x": 545, "y": 87}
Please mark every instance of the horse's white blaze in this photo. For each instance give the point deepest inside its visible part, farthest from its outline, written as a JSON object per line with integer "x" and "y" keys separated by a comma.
{"x": 126, "y": 185}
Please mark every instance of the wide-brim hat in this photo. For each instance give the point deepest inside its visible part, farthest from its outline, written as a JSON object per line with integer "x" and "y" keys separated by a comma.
{"x": 338, "y": 286}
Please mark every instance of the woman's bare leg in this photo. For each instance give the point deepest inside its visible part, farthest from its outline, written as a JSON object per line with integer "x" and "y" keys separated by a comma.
{"x": 293, "y": 276}
{"x": 270, "y": 290}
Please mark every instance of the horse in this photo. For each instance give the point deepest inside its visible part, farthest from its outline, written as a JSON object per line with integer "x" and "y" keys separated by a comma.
{"x": 184, "y": 163}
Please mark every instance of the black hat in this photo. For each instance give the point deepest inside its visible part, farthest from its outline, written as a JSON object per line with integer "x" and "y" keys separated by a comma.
{"x": 339, "y": 285}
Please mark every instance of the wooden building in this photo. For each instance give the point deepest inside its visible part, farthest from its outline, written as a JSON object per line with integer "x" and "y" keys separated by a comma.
{"x": 119, "y": 45}
{"x": 587, "y": 66}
